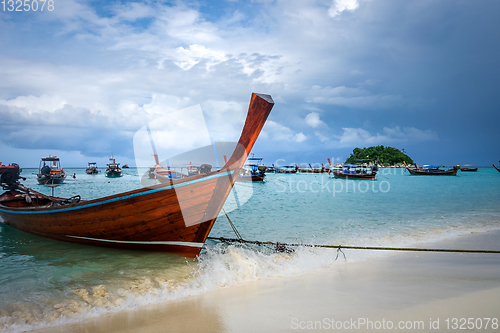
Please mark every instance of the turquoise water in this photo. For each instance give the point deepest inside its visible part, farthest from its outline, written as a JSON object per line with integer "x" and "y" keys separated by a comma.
{"x": 45, "y": 282}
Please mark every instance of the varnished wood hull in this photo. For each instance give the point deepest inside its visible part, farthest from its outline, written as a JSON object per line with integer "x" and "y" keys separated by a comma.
{"x": 173, "y": 217}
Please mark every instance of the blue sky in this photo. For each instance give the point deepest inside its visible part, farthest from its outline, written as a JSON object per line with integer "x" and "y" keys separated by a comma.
{"x": 81, "y": 80}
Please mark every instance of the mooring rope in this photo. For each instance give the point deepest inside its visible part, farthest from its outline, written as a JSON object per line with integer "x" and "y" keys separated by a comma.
{"x": 240, "y": 239}
{"x": 339, "y": 247}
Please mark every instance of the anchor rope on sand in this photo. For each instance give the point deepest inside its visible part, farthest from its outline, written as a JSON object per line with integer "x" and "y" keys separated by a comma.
{"x": 339, "y": 247}
{"x": 340, "y": 250}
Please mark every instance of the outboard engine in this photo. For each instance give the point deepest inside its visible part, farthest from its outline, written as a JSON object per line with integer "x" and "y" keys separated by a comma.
{"x": 45, "y": 170}
{"x": 205, "y": 168}
{"x": 9, "y": 174}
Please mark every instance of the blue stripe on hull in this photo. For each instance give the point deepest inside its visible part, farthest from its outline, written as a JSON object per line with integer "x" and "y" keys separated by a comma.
{"x": 120, "y": 198}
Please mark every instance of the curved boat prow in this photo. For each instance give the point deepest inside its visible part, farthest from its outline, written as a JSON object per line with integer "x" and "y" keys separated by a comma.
{"x": 258, "y": 111}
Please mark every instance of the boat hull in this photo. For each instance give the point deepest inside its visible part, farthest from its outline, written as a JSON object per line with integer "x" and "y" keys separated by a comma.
{"x": 369, "y": 176}
{"x": 48, "y": 179}
{"x": 113, "y": 174}
{"x": 148, "y": 219}
{"x": 251, "y": 178}
{"x": 450, "y": 172}
{"x": 498, "y": 169}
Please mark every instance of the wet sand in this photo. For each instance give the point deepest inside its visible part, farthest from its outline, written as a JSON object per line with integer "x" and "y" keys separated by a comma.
{"x": 421, "y": 289}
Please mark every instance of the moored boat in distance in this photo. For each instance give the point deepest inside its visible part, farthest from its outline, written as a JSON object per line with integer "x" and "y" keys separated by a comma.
{"x": 253, "y": 171}
{"x": 311, "y": 169}
{"x": 468, "y": 167}
{"x": 92, "y": 169}
{"x": 354, "y": 171}
{"x": 285, "y": 169}
{"x": 113, "y": 170}
{"x": 173, "y": 217}
{"x": 431, "y": 170}
{"x": 50, "y": 171}
{"x": 498, "y": 169}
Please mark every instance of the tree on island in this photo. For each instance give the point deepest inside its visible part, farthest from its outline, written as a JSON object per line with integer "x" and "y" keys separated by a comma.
{"x": 380, "y": 155}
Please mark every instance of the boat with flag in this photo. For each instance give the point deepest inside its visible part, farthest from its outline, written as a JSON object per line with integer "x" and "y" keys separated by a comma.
{"x": 113, "y": 170}
{"x": 172, "y": 217}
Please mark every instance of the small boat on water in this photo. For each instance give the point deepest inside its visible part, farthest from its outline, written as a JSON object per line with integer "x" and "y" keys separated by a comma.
{"x": 468, "y": 167}
{"x": 113, "y": 169}
{"x": 498, "y": 169}
{"x": 92, "y": 169}
{"x": 285, "y": 169}
{"x": 431, "y": 170}
{"x": 125, "y": 166}
{"x": 311, "y": 169}
{"x": 253, "y": 171}
{"x": 173, "y": 217}
{"x": 50, "y": 171}
{"x": 170, "y": 173}
{"x": 354, "y": 171}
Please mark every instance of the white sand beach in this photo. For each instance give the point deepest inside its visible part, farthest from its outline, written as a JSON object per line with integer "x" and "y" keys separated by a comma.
{"x": 422, "y": 291}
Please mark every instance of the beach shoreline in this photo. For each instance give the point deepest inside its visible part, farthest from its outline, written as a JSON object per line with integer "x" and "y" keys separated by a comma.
{"x": 421, "y": 288}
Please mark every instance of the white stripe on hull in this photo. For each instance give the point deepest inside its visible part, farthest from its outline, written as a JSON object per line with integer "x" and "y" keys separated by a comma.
{"x": 190, "y": 244}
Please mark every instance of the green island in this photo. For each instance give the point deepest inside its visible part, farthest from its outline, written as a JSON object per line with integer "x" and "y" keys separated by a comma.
{"x": 385, "y": 156}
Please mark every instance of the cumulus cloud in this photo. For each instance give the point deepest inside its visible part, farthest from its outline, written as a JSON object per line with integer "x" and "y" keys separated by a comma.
{"x": 339, "y": 6}
{"x": 277, "y": 132}
{"x": 312, "y": 119}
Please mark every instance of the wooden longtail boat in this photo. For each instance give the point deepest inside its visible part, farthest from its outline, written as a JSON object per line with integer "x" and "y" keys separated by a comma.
{"x": 468, "y": 168}
{"x": 285, "y": 169}
{"x": 430, "y": 170}
{"x": 172, "y": 217}
{"x": 353, "y": 171}
{"x": 498, "y": 169}
{"x": 50, "y": 173}
{"x": 311, "y": 169}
